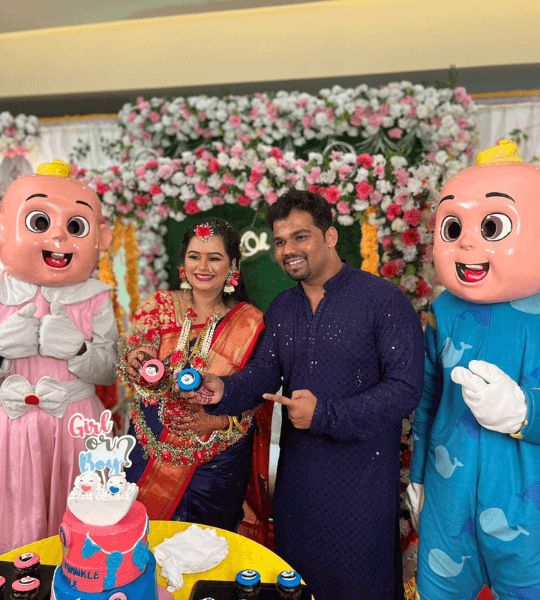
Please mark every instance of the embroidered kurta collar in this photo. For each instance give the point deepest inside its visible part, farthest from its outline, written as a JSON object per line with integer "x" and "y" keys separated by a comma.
{"x": 14, "y": 292}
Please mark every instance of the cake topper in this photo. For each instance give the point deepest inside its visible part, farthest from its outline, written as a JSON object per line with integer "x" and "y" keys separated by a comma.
{"x": 102, "y": 494}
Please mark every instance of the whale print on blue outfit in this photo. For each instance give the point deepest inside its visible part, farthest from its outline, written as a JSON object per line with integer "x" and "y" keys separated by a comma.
{"x": 451, "y": 356}
{"x": 468, "y": 527}
{"x": 493, "y": 522}
{"x": 535, "y": 374}
{"x": 529, "y": 305}
{"x": 470, "y": 423}
{"x": 443, "y": 464}
{"x": 442, "y": 565}
{"x": 480, "y": 312}
{"x": 533, "y": 493}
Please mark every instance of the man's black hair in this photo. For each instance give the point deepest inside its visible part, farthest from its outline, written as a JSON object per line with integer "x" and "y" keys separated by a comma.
{"x": 309, "y": 202}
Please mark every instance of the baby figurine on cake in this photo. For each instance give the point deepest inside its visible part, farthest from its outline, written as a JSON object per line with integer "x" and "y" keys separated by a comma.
{"x": 58, "y": 339}
{"x": 476, "y": 459}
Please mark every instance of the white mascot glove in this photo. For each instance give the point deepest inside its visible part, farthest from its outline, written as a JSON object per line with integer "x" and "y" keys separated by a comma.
{"x": 58, "y": 336}
{"x": 414, "y": 499}
{"x": 496, "y": 400}
{"x": 19, "y": 334}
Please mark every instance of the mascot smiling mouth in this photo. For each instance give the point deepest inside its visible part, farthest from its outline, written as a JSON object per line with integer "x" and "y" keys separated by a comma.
{"x": 471, "y": 273}
{"x": 57, "y": 259}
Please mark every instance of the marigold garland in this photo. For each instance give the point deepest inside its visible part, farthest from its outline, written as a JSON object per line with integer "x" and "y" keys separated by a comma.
{"x": 132, "y": 267}
{"x": 369, "y": 244}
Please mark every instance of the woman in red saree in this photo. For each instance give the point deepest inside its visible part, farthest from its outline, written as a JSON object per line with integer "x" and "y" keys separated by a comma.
{"x": 199, "y": 471}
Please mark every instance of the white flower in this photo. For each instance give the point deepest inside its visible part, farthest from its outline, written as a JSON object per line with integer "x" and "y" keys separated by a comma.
{"x": 360, "y": 205}
{"x": 398, "y": 162}
{"x": 441, "y": 157}
{"x": 399, "y": 225}
{"x": 345, "y": 219}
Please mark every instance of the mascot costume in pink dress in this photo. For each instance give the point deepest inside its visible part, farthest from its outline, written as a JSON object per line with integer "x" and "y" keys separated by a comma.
{"x": 58, "y": 339}
{"x": 476, "y": 459}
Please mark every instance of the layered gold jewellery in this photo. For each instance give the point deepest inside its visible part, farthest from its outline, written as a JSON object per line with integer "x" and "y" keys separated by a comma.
{"x": 188, "y": 448}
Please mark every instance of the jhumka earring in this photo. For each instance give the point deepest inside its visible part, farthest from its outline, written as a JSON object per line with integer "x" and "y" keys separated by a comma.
{"x": 185, "y": 285}
{"x": 232, "y": 281}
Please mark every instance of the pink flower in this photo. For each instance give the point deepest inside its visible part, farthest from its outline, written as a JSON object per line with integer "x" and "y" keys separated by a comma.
{"x": 401, "y": 199}
{"x": 146, "y": 135}
{"x": 259, "y": 166}
{"x": 332, "y": 195}
{"x": 202, "y": 115}
{"x": 393, "y": 211}
{"x": 140, "y": 172}
{"x": 141, "y": 200}
{"x": 375, "y": 120}
{"x": 422, "y": 289}
{"x": 243, "y": 201}
{"x": 154, "y": 117}
{"x": 190, "y": 170}
{"x": 124, "y": 208}
{"x": 379, "y": 171}
{"x": 237, "y": 151}
{"x": 329, "y": 114}
{"x": 165, "y": 171}
{"x": 412, "y": 217}
{"x": 431, "y": 157}
{"x": 155, "y": 190}
{"x": 276, "y": 153}
{"x": 270, "y": 197}
{"x": 272, "y": 112}
{"x": 395, "y": 133}
{"x": 192, "y": 207}
{"x": 175, "y": 127}
{"x": 388, "y": 241}
{"x": 412, "y": 112}
{"x": 445, "y": 142}
{"x": 162, "y": 210}
{"x": 143, "y": 105}
{"x": 343, "y": 208}
{"x": 213, "y": 166}
{"x": 436, "y": 121}
{"x": 313, "y": 177}
{"x": 228, "y": 179}
{"x": 411, "y": 237}
{"x": 140, "y": 213}
{"x": 217, "y": 200}
{"x": 375, "y": 197}
{"x": 356, "y": 119}
{"x": 243, "y": 137}
{"x": 292, "y": 179}
{"x": 251, "y": 191}
{"x": 384, "y": 109}
{"x": 345, "y": 171}
{"x": 302, "y": 103}
{"x": 365, "y": 161}
{"x": 462, "y": 123}
{"x": 363, "y": 190}
{"x": 402, "y": 176}
{"x": 131, "y": 117}
{"x": 307, "y": 121}
{"x": 254, "y": 113}
{"x": 201, "y": 188}
{"x": 235, "y": 120}
{"x": 469, "y": 151}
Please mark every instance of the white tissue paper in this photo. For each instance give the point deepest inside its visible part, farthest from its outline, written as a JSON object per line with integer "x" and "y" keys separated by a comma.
{"x": 191, "y": 551}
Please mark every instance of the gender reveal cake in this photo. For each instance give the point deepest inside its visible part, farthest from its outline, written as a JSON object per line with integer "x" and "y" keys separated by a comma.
{"x": 104, "y": 530}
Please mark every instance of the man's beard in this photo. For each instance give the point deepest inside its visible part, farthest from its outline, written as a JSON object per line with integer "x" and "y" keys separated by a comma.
{"x": 299, "y": 275}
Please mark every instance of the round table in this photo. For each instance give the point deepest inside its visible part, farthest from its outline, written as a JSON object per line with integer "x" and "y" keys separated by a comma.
{"x": 243, "y": 554}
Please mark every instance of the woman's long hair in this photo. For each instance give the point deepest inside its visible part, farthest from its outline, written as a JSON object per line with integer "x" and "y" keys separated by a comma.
{"x": 231, "y": 241}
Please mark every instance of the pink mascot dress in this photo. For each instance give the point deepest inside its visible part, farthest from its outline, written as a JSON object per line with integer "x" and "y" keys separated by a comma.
{"x": 58, "y": 339}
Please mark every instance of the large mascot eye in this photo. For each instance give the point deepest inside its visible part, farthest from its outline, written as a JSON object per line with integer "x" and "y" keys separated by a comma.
{"x": 496, "y": 227}
{"x": 78, "y": 227}
{"x": 118, "y": 596}
{"x": 37, "y": 221}
{"x": 450, "y": 229}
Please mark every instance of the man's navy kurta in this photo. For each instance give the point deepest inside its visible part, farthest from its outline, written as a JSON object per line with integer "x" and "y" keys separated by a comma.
{"x": 336, "y": 502}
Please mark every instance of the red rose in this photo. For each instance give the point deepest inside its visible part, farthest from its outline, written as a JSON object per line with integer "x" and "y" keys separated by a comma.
{"x": 101, "y": 188}
{"x": 255, "y": 177}
{"x": 406, "y": 458}
{"x": 412, "y": 217}
{"x": 151, "y": 164}
{"x": 363, "y": 190}
{"x": 332, "y": 194}
{"x": 243, "y": 201}
{"x": 276, "y": 153}
{"x": 365, "y": 160}
{"x": 411, "y": 237}
{"x": 422, "y": 289}
{"x": 191, "y": 207}
{"x": 213, "y": 166}
{"x": 316, "y": 189}
{"x": 155, "y": 190}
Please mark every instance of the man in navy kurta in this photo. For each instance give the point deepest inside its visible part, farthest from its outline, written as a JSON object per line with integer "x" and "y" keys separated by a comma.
{"x": 347, "y": 348}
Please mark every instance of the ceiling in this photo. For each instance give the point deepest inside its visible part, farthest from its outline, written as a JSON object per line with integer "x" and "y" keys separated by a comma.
{"x": 27, "y": 15}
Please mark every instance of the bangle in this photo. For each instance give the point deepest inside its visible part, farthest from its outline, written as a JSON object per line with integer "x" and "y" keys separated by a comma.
{"x": 228, "y": 430}
{"x": 519, "y": 435}
{"x": 238, "y": 426}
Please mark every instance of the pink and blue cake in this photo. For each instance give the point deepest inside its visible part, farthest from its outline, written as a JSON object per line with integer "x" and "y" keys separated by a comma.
{"x": 104, "y": 531}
